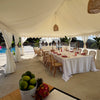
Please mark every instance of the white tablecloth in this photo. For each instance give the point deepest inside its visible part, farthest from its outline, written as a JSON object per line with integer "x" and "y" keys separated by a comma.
{"x": 75, "y": 64}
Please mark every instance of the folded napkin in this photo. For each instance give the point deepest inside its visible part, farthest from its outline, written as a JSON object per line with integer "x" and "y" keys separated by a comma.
{"x": 77, "y": 52}
{"x": 55, "y": 52}
{"x": 59, "y": 54}
{"x": 83, "y": 54}
{"x": 71, "y": 51}
{"x": 64, "y": 56}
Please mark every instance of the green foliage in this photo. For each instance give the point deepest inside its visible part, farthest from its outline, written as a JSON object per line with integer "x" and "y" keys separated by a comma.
{"x": 19, "y": 44}
{"x": 13, "y": 52}
{"x": 1, "y": 38}
{"x": 93, "y": 46}
{"x": 36, "y": 40}
{"x": 65, "y": 39}
{"x": 13, "y": 43}
{"x": 74, "y": 39}
{"x": 32, "y": 42}
{"x": 2, "y": 44}
{"x": 36, "y": 44}
{"x": 97, "y": 39}
{"x": 27, "y": 41}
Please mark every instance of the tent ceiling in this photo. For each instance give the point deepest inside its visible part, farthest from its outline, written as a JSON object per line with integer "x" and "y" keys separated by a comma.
{"x": 37, "y": 17}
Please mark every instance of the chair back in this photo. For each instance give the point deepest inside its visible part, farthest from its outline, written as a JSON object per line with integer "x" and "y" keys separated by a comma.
{"x": 52, "y": 60}
{"x": 74, "y": 49}
{"x": 79, "y": 50}
{"x": 93, "y": 53}
{"x": 85, "y": 51}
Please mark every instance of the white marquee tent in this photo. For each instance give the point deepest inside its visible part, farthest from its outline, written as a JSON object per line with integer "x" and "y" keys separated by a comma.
{"x": 36, "y": 18}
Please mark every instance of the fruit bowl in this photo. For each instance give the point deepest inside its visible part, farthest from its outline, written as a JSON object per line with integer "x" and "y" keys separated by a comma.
{"x": 27, "y": 85}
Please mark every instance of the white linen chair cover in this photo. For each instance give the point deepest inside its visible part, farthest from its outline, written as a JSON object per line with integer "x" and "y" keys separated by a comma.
{"x": 93, "y": 53}
{"x": 10, "y": 66}
{"x": 17, "y": 53}
{"x": 23, "y": 39}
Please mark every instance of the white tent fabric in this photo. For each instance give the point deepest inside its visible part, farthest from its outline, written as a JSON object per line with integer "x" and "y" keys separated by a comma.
{"x": 17, "y": 53}
{"x": 36, "y": 18}
{"x": 23, "y": 39}
{"x": 10, "y": 64}
{"x": 84, "y": 38}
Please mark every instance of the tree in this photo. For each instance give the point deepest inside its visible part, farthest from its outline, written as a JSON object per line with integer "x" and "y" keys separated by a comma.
{"x": 74, "y": 39}
{"x": 1, "y": 38}
{"x": 65, "y": 40}
{"x": 97, "y": 39}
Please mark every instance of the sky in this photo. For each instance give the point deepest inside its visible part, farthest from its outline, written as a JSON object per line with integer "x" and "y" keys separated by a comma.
{"x": 90, "y": 37}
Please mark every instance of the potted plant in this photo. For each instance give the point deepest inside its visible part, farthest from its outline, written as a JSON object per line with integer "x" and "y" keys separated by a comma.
{"x": 27, "y": 85}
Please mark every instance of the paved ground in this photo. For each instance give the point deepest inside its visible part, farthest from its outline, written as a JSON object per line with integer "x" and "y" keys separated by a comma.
{"x": 85, "y": 86}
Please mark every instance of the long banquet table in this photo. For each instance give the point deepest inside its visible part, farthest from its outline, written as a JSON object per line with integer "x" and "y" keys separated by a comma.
{"x": 75, "y": 64}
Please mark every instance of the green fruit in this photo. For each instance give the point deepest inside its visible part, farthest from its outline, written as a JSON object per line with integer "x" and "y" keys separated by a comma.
{"x": 32, "y": 76}
{"x": 33, "y": 81}
{"x": 23, "y": 85}
{"x": 20, "y": 80}
{"x": 30, "y": 87}
{"x": 24, "y": 74}
{"x": 26, "y": 78}
{"x": 28, "y": 73}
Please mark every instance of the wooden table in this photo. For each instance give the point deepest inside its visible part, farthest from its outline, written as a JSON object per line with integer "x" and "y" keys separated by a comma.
{"x": 15, "y": 95}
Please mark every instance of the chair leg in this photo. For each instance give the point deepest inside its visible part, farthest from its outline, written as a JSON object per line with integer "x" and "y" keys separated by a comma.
{"x": 51, "y": 68}
{"x": 54, "y": 71}
{"x": 62, "y": 69}
{"x": 47, "y": 65}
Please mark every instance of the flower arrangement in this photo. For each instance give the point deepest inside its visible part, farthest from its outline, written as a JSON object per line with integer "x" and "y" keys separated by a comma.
{"x": 42, "y": 90}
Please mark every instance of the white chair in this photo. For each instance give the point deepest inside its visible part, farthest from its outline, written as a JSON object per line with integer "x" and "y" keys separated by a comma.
{"x": 93, "y": 53}
{"x": 85, "y": 51}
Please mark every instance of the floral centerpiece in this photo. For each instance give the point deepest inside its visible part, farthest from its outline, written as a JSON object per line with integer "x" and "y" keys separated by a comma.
{"x": 42, "y": 90}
